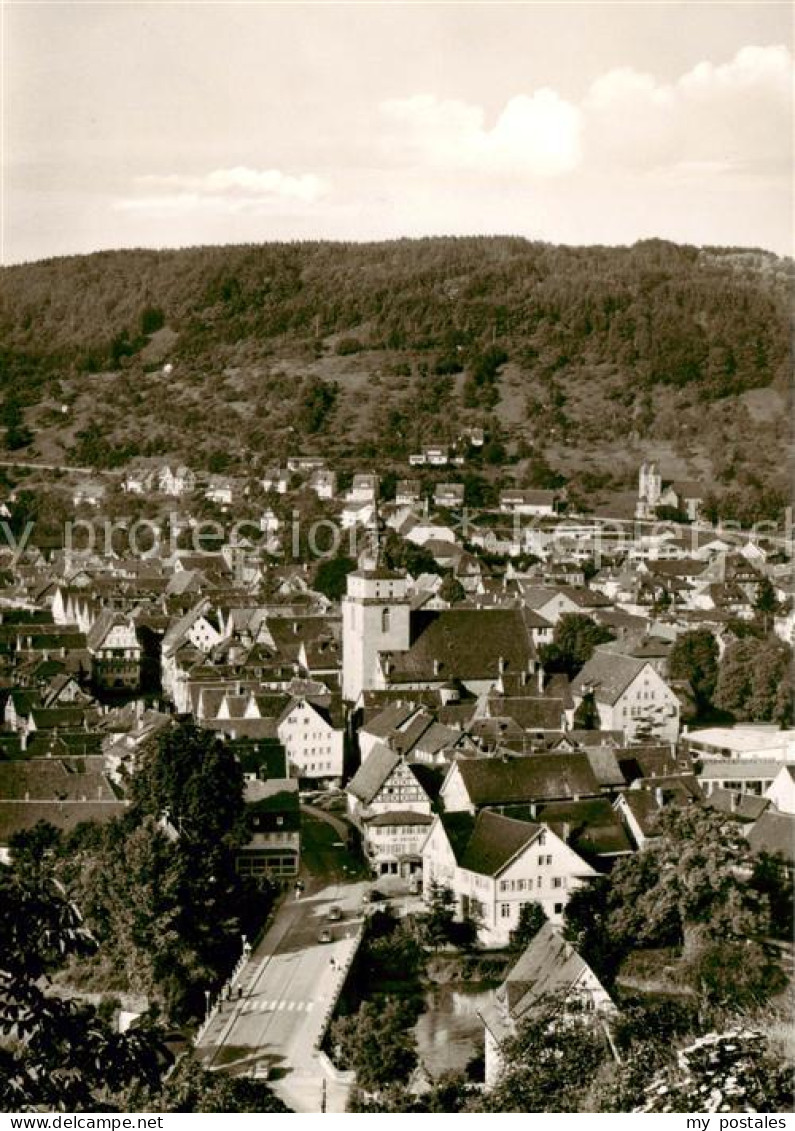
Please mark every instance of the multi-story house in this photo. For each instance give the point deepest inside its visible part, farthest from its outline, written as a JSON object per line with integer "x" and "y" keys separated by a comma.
{"x": 494, "y": 864}
{"x": 273, "y": 819}
{"x": 115, "y": 651}
{"x": 549, "y": 967}
{"x": 529, "y": 502}
{"x": 389, "y": 804}
{"x": 314, "y": 740}
{"x": 629, "y": 695}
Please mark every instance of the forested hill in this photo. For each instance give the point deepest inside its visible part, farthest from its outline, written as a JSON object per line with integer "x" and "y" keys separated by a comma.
{"x": 378, "y": 347}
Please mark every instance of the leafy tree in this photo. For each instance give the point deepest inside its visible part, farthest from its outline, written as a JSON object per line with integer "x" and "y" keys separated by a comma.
{"x": 586, "y": 716}
{"x": 152, "y": 319}
{"x": 400, "y": 554}
{"x": 377, "y": 1042}
{"x": 316, "y": 401}
{"x": 754, "y": 680}
{"x": 549, "y": 1064}
{"x": 573, "y": 643}
{"x": 735, "y": 974}
{"x": 331, "y": 576}
{"x": 694, "y": 657}
{"x": 438, "y": 919}
{"x": 57, "y": 1055}
{"x": 194, "y": 779}
{"x": 699, "y": 861}
{"x": 686, "y": 888}
{"x": 451, "y": 589}
{"x": 766, "y": 602}
{"x": 532, "y": 918}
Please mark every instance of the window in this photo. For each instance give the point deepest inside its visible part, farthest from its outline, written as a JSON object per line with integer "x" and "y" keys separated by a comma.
{"x": 505, "y": 910}
{"x": 385, "y": 618}
{"x": 557, "y": 882}
{"x": 558, "y": 908}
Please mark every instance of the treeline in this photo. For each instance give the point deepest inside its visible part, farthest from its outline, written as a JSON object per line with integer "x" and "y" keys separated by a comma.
{"x": 663, "y": 313}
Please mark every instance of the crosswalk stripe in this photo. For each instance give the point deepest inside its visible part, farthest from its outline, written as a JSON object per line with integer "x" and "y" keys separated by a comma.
{"x": 281, "y": 1005}
{"x": 290, "y": 1006}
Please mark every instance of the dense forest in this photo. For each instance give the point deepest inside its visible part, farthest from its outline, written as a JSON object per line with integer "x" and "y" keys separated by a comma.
{"x": 367, "y": 350}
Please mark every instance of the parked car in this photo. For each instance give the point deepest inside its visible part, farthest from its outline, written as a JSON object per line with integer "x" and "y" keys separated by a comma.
{"x": 334, "y": 914}
{"x": 324, "y": 936}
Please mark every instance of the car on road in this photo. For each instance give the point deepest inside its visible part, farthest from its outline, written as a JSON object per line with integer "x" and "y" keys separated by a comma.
{"x": 334, "y": 914}
{"x": 325, "y": 936}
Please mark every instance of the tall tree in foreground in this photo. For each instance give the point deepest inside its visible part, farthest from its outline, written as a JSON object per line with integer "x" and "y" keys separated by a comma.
{"x": 57, "y": 1055}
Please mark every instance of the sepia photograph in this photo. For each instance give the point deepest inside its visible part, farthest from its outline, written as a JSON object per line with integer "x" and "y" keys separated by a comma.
{"x": 397, "y": 605}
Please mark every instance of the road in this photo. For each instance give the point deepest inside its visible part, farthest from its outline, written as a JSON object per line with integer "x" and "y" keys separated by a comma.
{"x": 290, "y": 984}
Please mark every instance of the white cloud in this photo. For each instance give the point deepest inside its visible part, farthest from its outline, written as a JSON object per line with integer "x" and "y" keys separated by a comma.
{"x": 237, "y": 189}
{"x": 536, "y": 134}
{"x": 716, "y": 120}
{"x": 734, "y": 117}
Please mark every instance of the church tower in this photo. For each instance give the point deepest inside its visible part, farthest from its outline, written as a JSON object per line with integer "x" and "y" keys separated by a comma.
{"x": 375, "y": 618}
{"x": 649, "y": 490}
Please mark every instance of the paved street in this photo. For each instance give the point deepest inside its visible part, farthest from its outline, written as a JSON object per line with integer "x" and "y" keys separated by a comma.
{"x": 288, "y": 986}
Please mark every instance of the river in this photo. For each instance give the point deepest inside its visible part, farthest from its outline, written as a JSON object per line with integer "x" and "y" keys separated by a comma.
{"x": 450, "y": 1032}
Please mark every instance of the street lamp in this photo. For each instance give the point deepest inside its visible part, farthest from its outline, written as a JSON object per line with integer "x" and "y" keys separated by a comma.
{"x": 207, "y": 996}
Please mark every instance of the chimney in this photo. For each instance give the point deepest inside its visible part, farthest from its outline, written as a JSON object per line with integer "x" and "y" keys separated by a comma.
{"x": 658, "y": 796}
{"x": 437, "y": 666}
{"x": 501, "y": 664}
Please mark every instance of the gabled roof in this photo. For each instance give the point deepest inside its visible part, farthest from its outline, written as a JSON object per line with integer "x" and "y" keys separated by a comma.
{"x": 536, "y": 777}
{"x": 106, "y": 620}
{"x": 494, "y": 841}
{"x": 743, "y": 806}
{"x": 18, "y": 816}
{"x": 646, "y": 762}
{"x": 539, "y": 713}
{"x": 605, "y": 765}
{"x": 464, "y": 643}
{"x": 608, "y": 676}
{"x": 549, "y": 966}
{"x": 592, "y": 827}
{"x": 55, "y": 779}
{"x": 391, "y": 718}
{"x": 371, "y": 775}
{"x": 774, "y": 833}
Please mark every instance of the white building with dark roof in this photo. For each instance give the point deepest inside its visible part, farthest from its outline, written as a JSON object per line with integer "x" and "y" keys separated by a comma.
{"x": 391, "y": 807}
{"x": 549, "y": 969}
{"x": 629, "y": 695}
{"x": 495, "y": 864}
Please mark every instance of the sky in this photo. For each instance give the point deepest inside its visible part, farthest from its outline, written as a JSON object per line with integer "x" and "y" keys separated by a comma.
{"x": 166, "y": 124}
